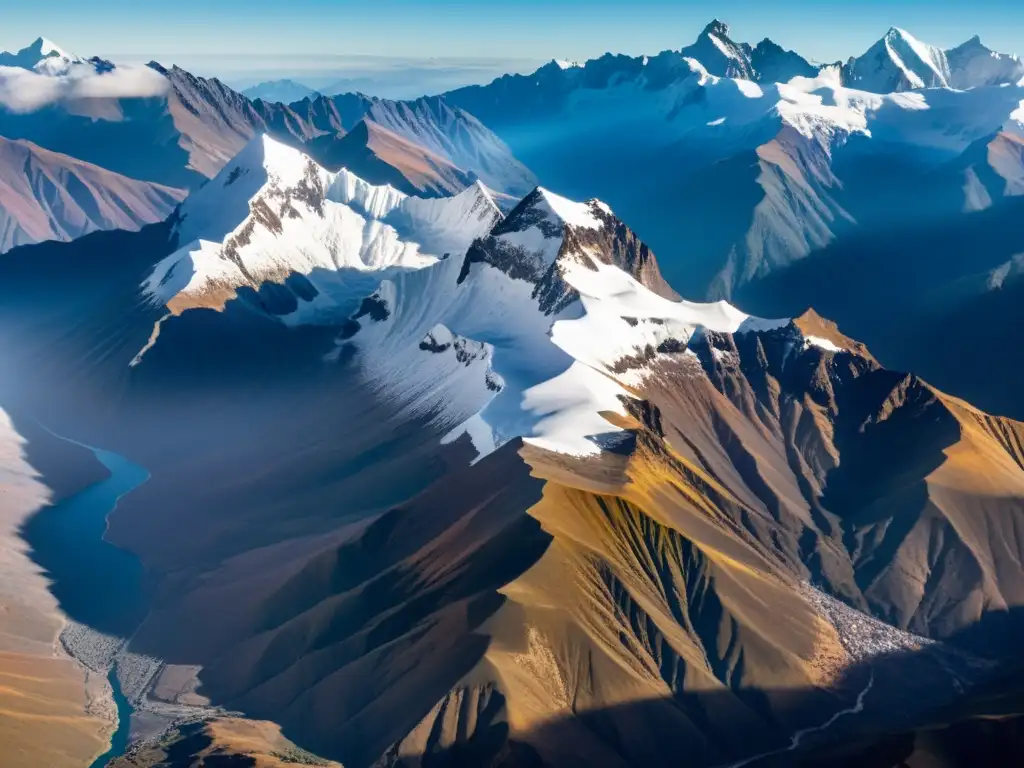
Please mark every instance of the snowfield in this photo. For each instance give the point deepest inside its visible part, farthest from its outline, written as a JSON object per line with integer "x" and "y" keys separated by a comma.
{"x": 272, "y": 212}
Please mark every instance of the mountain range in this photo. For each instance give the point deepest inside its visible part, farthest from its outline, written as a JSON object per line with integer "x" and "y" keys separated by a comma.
{"x": 760, "y": 174}
{"x": 436, "y": 463}
{"x": 184, "y": 132}
{"x": 489, "y": 475}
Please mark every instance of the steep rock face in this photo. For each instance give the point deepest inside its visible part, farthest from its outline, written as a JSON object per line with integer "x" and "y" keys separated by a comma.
{"x": 845, "y": 426}
{"x": 374, "y": 152}
{"x": 719, "y": 54}
{"x": 545, "y": 232}
{"x": 798, "y": 214}
{"x": 774, "y": 64}
{"x": 458, "y": 136}
{"x": 216, "y": 122}
{"x": 47, "y": 196}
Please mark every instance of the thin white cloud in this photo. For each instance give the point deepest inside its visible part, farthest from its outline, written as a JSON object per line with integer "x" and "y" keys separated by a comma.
{"x": 23, "y": 91}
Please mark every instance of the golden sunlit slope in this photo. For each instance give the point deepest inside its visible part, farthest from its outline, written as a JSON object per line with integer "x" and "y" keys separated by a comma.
{"x": 227, "y": 741}
{"x": 672, "y": 596}
{"x": 891, "y": 494}
{"x": 50, "y": 708}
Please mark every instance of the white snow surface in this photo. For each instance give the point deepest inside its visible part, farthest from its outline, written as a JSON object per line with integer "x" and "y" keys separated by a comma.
{"x": 729, "y": 115}
{"x": 572, "y": 213}
{"x": 42, "y": 56}
{"x": 821, "y": 343}
{"x": 973, "y": 65}
{"x": 558, "y": 373}
{"x": 899, "y": 61}
{"x": 361, "y": 230}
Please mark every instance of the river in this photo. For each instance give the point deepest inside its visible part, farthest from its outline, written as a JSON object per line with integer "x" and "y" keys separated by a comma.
{"x": 96, "y": 583}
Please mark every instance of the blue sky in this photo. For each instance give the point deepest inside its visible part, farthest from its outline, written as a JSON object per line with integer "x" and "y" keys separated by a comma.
{"x": 480, "y": 29}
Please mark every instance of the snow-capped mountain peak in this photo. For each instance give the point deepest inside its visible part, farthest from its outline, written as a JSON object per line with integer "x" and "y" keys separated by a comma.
{"x": 972, "y": 64}
{"x": 567, "y": 211}
{"x": 45, "y": 57}
{"x": 216, "y": 208}
{"x": 719, "y": 54}
{"x": 774, "y": 64}
{"x": 546, "y": 234}
{"x": 898, "y": 62}
{"x": 716, "y": 27}
{"x": 50, "y": 48}
{"x": 272, "y": 216}
{"x": 909, "y": 48}
{"x": 513, "y": 362}
{"x": 901, "y": 62}
{"x": 527, "y": 244}
{"x": 42, "y": 56}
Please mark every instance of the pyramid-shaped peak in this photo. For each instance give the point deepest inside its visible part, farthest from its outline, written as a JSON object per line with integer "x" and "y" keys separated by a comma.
{"x": 285, "y": 162}
{"x": 898, "y": 33}
{"x": 47, "y": 47}
{"x": 568, "y": 211}
{"x": 43, "y": 53}
{"x": 973, "y": 43}
{"x": 717, "y": 28}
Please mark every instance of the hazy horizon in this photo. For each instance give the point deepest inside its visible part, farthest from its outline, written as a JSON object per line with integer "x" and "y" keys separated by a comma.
{"x": 403, "y": 48}
{"x": 527, "y": 30}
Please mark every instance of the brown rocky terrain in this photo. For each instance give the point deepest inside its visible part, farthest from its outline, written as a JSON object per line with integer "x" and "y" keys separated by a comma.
{"x": 228, "y": 741}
